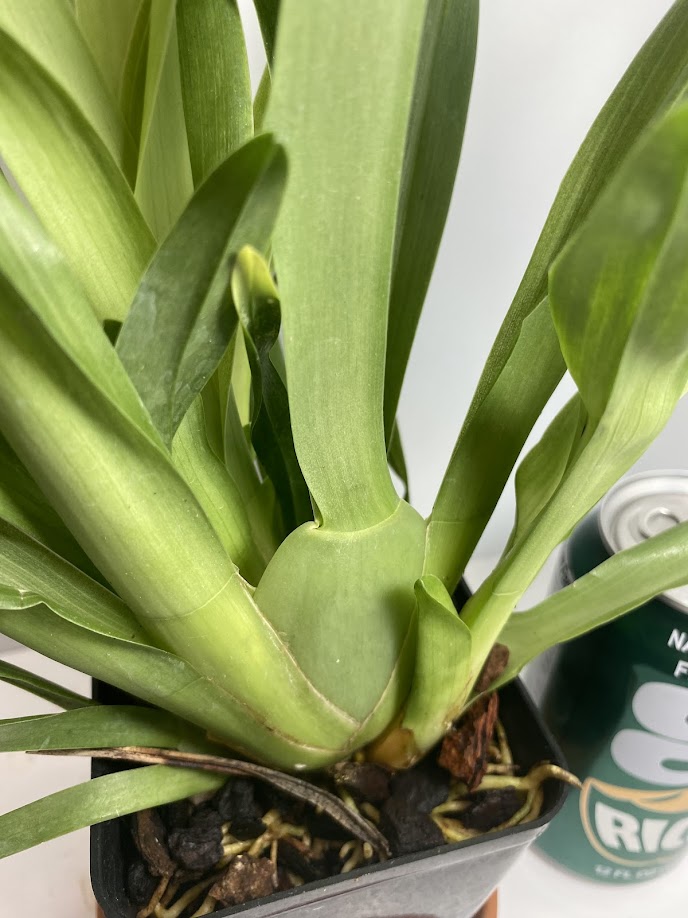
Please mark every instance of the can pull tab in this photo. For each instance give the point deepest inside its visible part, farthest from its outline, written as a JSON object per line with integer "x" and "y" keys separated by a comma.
{"x": 659, "y": 519}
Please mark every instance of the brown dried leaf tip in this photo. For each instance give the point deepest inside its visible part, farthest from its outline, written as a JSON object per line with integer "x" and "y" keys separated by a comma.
{"x": 495, "y": 665}
{"x": 245, "y": 879}
{"x": 465, "y": 748}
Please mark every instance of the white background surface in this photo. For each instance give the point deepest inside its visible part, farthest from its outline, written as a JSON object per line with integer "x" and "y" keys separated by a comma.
{"x": 544, "y": 69}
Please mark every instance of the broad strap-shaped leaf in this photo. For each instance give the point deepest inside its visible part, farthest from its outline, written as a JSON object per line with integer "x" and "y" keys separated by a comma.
{"x": 133, "y": 84}
{"x": 542, "y": 470}
{"x": 111, "y": 460}
{"x": 261, "y": 99}
{"x": 42, "y": 688}
{"x": 181, "y": 320}
{"x": 108, "y": 28}
{"x": 619, "y": 292}
{"x": 443, "y": 668}
{"x": 97, "y": 800}
{"x": 71, "y": 182}
{"x": 655, "y": 80}
{"x": 344, "y": 602}
{"x": 100, "y": 726}
{"x": 167, "y": 681}
{"x": 31, "y": 575}
{"x": 397, "y": 460}
{"x": 619, "y": 296}
{"x": 433, "y": 146}
{"x": 23, "y": 504}
{"x": 486, "y": 450}
{"x": 164, "y": 181}
{"x": 340, "y": 103}
{"x": 257, "y": 305}
{"x": 47, "y": 30}
{"x": 216, "y": 87}
{"x": 216, "y": 492}
{"x": 230, "y": 440}
{"x": 56, "y": 610}
{"x": 268, "y": 15}
{"x": 620, "y": 584}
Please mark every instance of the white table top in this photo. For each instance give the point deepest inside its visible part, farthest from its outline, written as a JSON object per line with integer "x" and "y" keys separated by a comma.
{"x": 57, "y": 873}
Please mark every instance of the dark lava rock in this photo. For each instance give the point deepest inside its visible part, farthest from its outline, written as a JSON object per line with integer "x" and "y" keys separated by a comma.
{"x": 423, "y": 787}
{"x": 206, "y": 816}
{"x": 197, "y": 848}
{"x": 407, "y": 829}
{"x": 364, "y": 781}
{"x": 140, "y": 884}
{"x": 491, "y": 808}
{"x": 236, "y": 803}
{"x": 245, "y": 829}
{"x": 176, "y": 815}
{"x": 295, "y": 856}
{"x": 245, "y": 879}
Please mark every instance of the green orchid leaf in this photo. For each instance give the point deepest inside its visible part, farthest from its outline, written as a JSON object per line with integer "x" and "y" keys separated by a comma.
{"x": 133, "y": 83}
{"x": 42, "y": 688}
{"x": 618, "y": 295}
{"x": 181, "y": 321}
{"x": 257, "y": 304}
{"x": 240, "y": 379}
{"x": 620, "y": 584}
{"x": 442, "y": 677}
{"x": 77, "y": 191}
{"x": 239, "y": 460}
{"x": 98, "y": 800}
{"x": 56, "y": 610}
{"x": 23, "y": 504}
{"x": 165, "y": 680}
{"x": 340, "y": 103}
{"x": 260, "y": 102}
{"x": 35, "y": 272}
{"x": 268, "y": 14}
{"x": 164, "y": 182}
{"x": 397, "y": 460}
{"x": 112, "y": 459}
{"x": 478, "y": 469}
{"x": 344, "y": 603}
{"x": 655, "y": 80}
{"x": 216, "y": 87}
{"x": 108, "y": 28}
{"x": 49, "y": 34}
{"x": 238, "y": 453}
{"x": 229, "y": 436}
{"x": 31, "y": 574}
{"x": 544, "y": 468}
{"x": 435, "y": 136}
{"x": 100, "y": 727}
{"x": 619, "y": 290}
{"x": 216, "y": 492}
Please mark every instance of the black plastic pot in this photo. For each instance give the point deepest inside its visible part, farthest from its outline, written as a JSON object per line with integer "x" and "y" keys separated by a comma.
{"x": 451, "y": 881}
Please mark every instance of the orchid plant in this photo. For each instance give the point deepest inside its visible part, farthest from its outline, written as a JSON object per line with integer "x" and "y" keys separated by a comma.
{"x": 207, "y": 304}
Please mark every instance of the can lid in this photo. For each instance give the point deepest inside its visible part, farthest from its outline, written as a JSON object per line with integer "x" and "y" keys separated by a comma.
{"x": 642, "y": 506}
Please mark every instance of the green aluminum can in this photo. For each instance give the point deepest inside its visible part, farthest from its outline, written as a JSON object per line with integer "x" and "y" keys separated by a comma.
{"x": 617, "y": 702}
